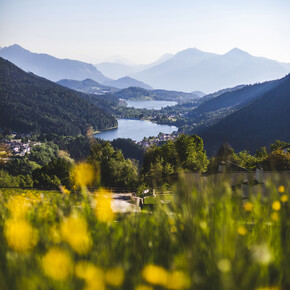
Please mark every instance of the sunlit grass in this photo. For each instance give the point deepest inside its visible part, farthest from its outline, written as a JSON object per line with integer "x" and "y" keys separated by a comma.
{"x": 204, "y": 236}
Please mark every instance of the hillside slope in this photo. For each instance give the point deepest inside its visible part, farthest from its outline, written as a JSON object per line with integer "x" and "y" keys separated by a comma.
{"x": 31, "y": 103}
{"x": 127, "y": 82}
{"x": 134, "y": 93}
{"x": 257, "y": 124}
{"x": 88, "y": 86}
{"x": 237, "y": 97}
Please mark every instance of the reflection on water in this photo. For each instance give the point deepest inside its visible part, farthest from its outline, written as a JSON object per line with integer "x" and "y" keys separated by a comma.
{"x": 135, "y": 130}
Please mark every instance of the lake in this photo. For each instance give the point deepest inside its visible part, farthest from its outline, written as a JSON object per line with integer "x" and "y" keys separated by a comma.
{"x": 150, "y": 105}
{"x": 136, "y": 130}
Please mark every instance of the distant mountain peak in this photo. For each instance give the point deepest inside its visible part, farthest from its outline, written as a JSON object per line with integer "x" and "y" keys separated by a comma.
{"x": 126, "y": 78}
{"x": 51, "y": 67}
{"x": 15, "y": 45}
{"x": 16, "y": 48}
{"x": 238, "y": 52}
{"x": 190, "y": 50}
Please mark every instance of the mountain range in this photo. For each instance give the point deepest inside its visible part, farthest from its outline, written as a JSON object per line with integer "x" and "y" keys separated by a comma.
{"x": 56, "y": 69}
{"x": 50, "y": 67}
{"x": 188, "y": 70}
{"x": 118, "y": 69}
{"x": 193, "y": 69}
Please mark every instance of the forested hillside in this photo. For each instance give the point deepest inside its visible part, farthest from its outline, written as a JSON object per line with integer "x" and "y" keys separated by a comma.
{"x": 134, "y": 93}
{"x": 31, "y": 103}
{"x": 88, "y": 86}
{"x": 260, "y": 123}
{"x": 238, "y": 97}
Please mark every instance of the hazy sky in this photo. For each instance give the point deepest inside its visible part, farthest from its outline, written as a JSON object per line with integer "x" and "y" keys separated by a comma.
{"x": 143, "y": 30}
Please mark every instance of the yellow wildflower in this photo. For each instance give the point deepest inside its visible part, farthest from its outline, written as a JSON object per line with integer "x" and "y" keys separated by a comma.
{"x": 18, "y": 206}
{"x": 83, "y": 174}
{"x": 143, "y": 287}
{"x": 224, "y": 265}
{"x": 74, "y": 231}
{"x": 203, "y": 225}
{"x": 242, "y": 230}
{"x": 88, "y": 271}
{"x": 262, "y": 254}
{"x": 275, "y": 216}
{"x": 93, "y": 276}
{"x": 281, "y": 189}
{"x": 178, "y": 280}
{"x": 115, "y": 276}
{"x": 20, "y": 235}
{"x": 57, "y": 264}
{"x": 155, "y": 275}
{"x": 104, "y": 210}
{"x": 248, "y": 206}
{"x": 55, "y": 235}
{"x": 276, "y": 205}
{"x": 64, "y": 190}
{"x": 284, "y": 198}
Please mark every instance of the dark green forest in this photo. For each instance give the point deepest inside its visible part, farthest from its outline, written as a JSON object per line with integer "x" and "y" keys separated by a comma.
{"x": 29, "y": 103}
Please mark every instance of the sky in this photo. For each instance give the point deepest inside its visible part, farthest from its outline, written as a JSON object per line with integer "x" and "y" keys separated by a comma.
{"x": 143, "y": 30}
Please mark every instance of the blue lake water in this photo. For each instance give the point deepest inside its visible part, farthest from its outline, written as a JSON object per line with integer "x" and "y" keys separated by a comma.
{"x": 150, "y": 105}
{"x": 135, "y": 129}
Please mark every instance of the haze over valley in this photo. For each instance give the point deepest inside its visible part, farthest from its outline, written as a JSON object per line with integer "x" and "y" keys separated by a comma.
{"x": 188, "y": 70}
{"x": 145, "y": 145}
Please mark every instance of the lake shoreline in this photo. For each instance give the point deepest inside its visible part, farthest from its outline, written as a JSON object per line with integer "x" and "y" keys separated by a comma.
{"x": 135, "y": 129}
{"x": 104, "y": 130}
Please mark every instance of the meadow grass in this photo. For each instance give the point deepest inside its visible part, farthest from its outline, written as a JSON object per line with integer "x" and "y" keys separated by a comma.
{"x": 207, "y": 237}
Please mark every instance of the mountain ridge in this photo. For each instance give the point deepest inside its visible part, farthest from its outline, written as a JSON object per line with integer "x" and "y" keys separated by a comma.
{"x": 192, "y": 69}
{"x": 258, "y": 123}
{"x": 29, "y": 103}
{"x": 50, "y": 67}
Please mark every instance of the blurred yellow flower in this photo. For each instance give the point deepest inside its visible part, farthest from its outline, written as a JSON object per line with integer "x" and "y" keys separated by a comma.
{"x": 57, "y": 264}
{"x": 203, "y": 225}
{"x": 104, "y": 210}
{"x": 248, "y": 206}
{"x": 93, "y": 276}
{"x": 284, "y": 198}
{"x": 276, "y": 205}
{"x": 64, "y": 190}
{"x": 143, "y": 287}
{"x": 275, "y": 216}
{"x": 18, "y": 206}
{"x": 155, "y": 275}
{"x": 178, "y": 280}
{"x": 224, "y": 265}
{"x": 115, "y": 276}
{"x": 242, "y": 230}
{"x": 88, "y": 271}
{"x": 55, "y": 235}
{"x": 261, "y": 254}
{"x": 20, "y": 235}
{"x": 281, "y": 189}
{"x": 74, "y": 231}
{"x": 83, "y": 174}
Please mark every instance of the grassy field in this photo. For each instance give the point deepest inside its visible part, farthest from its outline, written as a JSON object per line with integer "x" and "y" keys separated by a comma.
{"x": 206, "y": 237}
